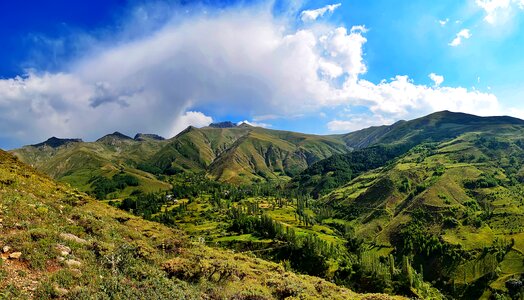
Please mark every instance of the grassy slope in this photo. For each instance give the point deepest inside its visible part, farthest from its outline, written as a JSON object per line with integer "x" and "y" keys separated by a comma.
{"x": 120, "y": 256}
{"x": 76, "y": 163}
{"x": 379, "y": 204}
{"x": 436, "y": 127}
{"x": 243, "y": 154}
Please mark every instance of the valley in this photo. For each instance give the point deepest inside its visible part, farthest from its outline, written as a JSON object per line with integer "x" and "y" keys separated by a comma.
{"x": 428, "y": 208}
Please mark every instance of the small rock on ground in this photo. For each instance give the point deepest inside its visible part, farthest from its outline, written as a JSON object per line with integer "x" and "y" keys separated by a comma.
{"x": 73, "y": 238}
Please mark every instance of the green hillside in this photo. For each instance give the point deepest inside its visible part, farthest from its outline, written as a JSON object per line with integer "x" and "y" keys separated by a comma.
{"x": 244, "y": 154}
{"x": 79, "y": 163}
{"x": 235, "y": 154}
{"x": 381, "y": 145}
{"x": 434, "y": 127}
{"x": 455, "y": 206}
{"x": 59, "y": 243}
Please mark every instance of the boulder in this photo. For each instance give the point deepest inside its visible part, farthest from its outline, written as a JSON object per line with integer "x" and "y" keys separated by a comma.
{"x": 73, "y": 263}
{"x": 73, "y": 238}
{"x": 63, "y": 250}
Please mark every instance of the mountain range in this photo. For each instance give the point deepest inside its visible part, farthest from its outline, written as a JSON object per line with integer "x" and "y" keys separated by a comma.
{"x": 239, "y": 154}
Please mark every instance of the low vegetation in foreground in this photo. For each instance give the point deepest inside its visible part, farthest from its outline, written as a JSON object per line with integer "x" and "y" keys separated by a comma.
{"x": 57, "y": 242}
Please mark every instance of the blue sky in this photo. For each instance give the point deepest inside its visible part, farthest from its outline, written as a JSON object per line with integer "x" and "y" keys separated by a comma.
{"x": 311, "y": 66}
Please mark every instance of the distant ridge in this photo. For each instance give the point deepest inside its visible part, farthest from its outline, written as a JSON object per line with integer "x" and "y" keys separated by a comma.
{"x": 148, "y": 136}
{"x": 55, "y": 142}
{"x": 226, "y": 124}
{"x": 243, "y": 153}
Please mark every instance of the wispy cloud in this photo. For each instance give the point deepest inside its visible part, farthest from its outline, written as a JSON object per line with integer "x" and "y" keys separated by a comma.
{"x": 312, "y": 15}
{"x": 464, "y": 34}
{"x": 443, "y": 22}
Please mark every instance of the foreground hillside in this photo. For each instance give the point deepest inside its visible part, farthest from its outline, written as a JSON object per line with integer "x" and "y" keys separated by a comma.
{"x": 57, "y": 242}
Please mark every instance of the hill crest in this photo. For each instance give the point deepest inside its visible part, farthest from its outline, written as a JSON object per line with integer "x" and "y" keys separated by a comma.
{"x": 55, "y": 142}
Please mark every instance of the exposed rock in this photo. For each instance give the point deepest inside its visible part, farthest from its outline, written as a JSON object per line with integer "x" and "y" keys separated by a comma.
{"x": 76, "y": 273}
{"x": 6, "y": 249}
{"x": 73, "y": 263}
{"x": 15, "y": 255}
{"x": 61, "y": 291}
{"x": 63, "y": 250}
{"x": 73, "y": 238}
{"x": 226, "y": 124}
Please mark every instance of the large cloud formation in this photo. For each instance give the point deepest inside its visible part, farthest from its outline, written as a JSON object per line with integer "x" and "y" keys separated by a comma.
{"x": 243, "y": 61}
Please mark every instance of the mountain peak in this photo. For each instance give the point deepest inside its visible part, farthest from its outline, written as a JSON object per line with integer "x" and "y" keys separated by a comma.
{"x": 225, "y": 124}
{"x": 148, "y": 136}
{"x": 55, "y": 142}
{"x": 244, "y": 125}
{"x": 114, "y": 136}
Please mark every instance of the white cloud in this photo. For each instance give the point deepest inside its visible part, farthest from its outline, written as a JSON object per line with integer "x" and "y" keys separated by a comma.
{"x": 437, "y": 79}
{"x": 356, "y": 122}
{"x": 239, "y": 62}
{"x": 190, "y": 118}
{"x": 499, "y": 10}
{"x": 516, "y": 112}
{"x": 443, "y": 22}
{"x": 492, "y": 7}
{"x": 256, "y": 124}
{"x": 329, "y": 69}
{"x": 266, "y": 117}
{"x": 401, "y": 97}
{"x": 312, "y": 15}
{"x": 463, "y": 34}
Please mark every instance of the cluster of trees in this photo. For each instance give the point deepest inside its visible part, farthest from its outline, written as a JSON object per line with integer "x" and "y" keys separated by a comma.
{"x": 197, "y": 184}
{"x": 337, "y": 170}
{"x": 102, "y": 186}
{"x": 144, "y": 204}
{"x": 485, "y": 181}
{"x": 305, "y": 252}
{"x": 189, "y": 187}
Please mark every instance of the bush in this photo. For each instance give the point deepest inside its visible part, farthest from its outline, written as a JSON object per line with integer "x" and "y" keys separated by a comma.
{"x": 451, "y": 222}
